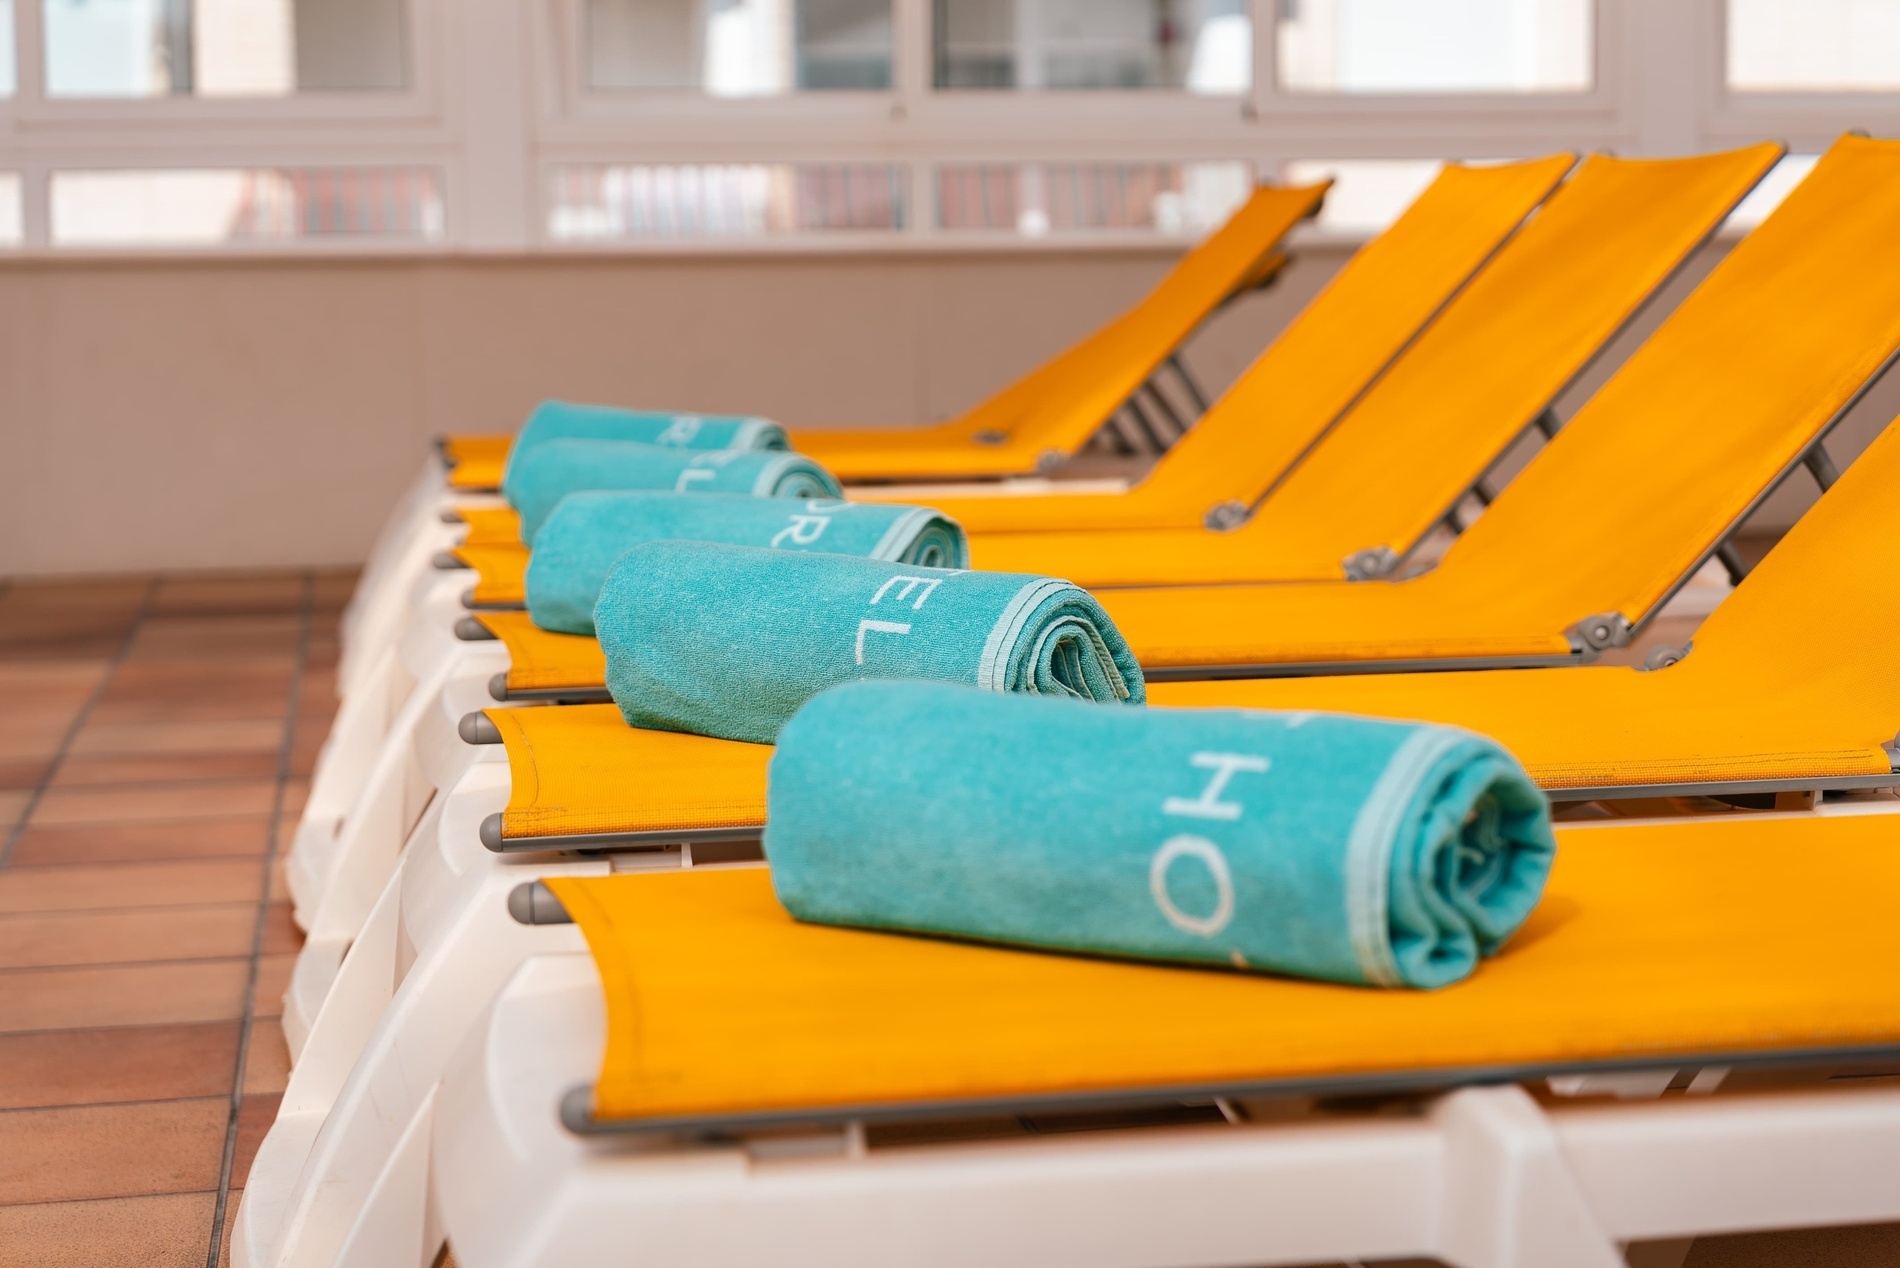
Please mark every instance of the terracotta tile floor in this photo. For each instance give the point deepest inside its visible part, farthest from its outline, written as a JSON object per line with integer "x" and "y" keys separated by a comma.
{"x": 156, "y": 736}
{"x": 156, "y": 739}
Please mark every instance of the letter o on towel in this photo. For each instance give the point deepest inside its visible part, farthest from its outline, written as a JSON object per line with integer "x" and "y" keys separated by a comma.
{"x": 1209, "y": 854}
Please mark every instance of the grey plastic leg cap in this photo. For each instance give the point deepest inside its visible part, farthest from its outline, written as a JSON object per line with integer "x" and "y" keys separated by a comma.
{"x": 470, "y": 630}
{"x": 533, "y": 903}
{"x": 478, "y": 728}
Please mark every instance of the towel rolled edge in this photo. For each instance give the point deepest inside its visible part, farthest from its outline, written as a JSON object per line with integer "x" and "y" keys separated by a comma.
{"x": 1000, "y": 664}
{"x": 1418, "y": 774}
{"x": 793, "y": 475}
{"x": 912, "y": 529}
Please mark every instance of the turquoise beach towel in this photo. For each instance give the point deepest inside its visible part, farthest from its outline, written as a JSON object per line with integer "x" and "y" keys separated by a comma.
{"x": 731, "y": 640}
{"x": 1350, "y": 849}
{"x": 566, "y": 420}
{"x": 588, "y": 531}
{"x": 553, "y": 470}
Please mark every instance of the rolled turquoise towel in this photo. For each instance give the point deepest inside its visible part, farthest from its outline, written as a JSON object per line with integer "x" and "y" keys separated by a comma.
{"x": 1356, "y": 850}
{"x": 566, "y": 420}
{"x": 552, "y": 471}
{"x": 731, "y": 640}
{"x": 588, "y": 531}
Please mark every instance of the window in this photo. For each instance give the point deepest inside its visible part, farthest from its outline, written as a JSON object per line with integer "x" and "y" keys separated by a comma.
{"x": 606, "y": 202}
{"x": 214, "y": 207}
{"x": 7, "y": 72}
{"x": 1204, "y": 46}
{"x": 221, "y": 48}
{"x": 739, "y": 48}
{"x": 1039, "y": 198}
{"x": 1367, "y": 194}
{"x": 1765, "y": 197}
{"x": 10, "y": 224}
{"x": 510, "y": 125}
{"x": 1431, "y": 46}
{"x": 1813, "y": 45}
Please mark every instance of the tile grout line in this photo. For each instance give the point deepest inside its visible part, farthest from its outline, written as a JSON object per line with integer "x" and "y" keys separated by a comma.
{"x": 79, "y": 721}
{"x": 285, "y": 757}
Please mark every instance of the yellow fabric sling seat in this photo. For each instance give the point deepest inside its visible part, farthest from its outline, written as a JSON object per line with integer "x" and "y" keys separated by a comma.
{"x": 490, "y": 525}
{"x": 501, "y": 573}
{"x": 1707, "y": 941}
{"x": 476, "y": 461}
{"x": 544, "y": 663}
{"x": 1058, "y": 405}
{"x": 1791, "y": 679}
{"x": 1478, "y": 374}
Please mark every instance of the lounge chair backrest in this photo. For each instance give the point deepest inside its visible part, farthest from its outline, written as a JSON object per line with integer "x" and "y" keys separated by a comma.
{"x": 1498, "y": 356}
{"x": 1650, "y": 475}
{"x": 1061, "y": 402}
{"x": 1820, "y": 614}
{"x": 1365, "y": 316}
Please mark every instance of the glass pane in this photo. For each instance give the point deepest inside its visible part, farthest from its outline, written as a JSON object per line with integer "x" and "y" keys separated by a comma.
{"x": 1204, "y": 46}
{"x": 1777, "y": 185}
{"x": 604, "y": 203}
{"x": 7, "y": 72}
{"x": 11, "y": 230}
{"x": 211, "y": 207}
{"x": 1367, "y": 194}
{"x": 1040, "y": 198}
{"x": 223, "y": 48}
{"x": 1422, "y": 46}
{"x": 1814, "y": 45}
{"x": 739, "y": 48}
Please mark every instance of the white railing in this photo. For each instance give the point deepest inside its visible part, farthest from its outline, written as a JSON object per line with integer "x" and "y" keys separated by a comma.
{"x": 498, "y": 144}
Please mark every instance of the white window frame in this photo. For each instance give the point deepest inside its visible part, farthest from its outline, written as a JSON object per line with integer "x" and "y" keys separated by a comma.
{"x": 497, "y": 105}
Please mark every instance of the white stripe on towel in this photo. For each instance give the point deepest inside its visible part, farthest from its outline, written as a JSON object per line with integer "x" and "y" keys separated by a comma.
{"x": 1369, "y": 850}
{"x": 992, "y": 672}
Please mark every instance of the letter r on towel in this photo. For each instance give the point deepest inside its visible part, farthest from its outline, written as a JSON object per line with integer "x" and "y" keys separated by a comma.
{"x": 878, "y": 627}
{"x": 802, "y": 531}
{"x": 693, "y": 475}
{"x": 1209, "y": 805}
{"x": 681, "y": 430}
{"x": 910, "y": 583}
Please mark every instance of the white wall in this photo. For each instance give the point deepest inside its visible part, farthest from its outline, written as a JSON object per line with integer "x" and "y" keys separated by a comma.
{"x": 237, "y": 413}
{"x": 229, "y": 412}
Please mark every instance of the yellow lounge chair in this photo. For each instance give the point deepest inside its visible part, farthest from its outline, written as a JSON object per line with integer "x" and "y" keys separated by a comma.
{"x": 1715, "y": 942}
{"x": 1788, "y": 688}
{"x": 1056, "y": 407}
{"x": 1484, "y": 369}
{"x": 1354, "y": 328}
{"x": 1360, "y": 501}
{"x": 1480, "y": 373}
{"x": 1365, "y": 316}
{"x": 1646, "y": 481}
